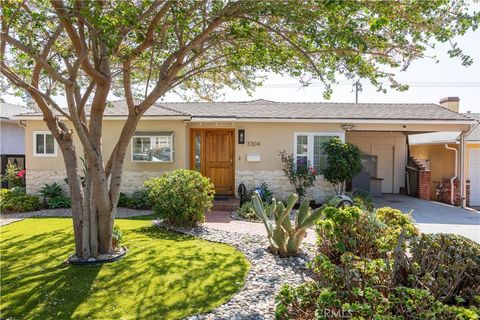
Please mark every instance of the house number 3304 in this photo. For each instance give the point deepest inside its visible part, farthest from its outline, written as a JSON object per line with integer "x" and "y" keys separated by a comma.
{"x": 253, "y": 143}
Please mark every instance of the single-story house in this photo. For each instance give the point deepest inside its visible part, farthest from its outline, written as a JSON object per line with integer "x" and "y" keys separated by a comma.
{"x": 12, "y": 137}
{"x": 442, "y": 154}
{"x": 239, "y": 142}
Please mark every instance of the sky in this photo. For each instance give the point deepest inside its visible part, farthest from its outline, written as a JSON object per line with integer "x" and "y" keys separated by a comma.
{"x": 429, "y": 82}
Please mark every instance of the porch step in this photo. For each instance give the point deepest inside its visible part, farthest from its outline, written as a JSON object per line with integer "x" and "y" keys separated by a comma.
{"x": 227, "y": 204}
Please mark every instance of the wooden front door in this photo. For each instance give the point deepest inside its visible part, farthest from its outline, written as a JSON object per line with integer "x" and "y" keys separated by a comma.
{"x": 212, "y": 154}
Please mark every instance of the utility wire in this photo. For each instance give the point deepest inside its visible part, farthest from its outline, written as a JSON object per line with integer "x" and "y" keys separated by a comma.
{"x": 409, "y": 83}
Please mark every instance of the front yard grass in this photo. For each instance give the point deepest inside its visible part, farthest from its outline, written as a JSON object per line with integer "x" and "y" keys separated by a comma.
{"x": 164, "y": 275}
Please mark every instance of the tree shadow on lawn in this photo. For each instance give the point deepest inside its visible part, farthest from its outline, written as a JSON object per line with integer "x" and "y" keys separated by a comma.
{"x": 165, "y": 275}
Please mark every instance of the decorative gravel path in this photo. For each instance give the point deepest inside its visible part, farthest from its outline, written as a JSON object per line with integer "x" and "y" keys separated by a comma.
{"x": 8, "y": 218}
{"x": 256, "y": 300}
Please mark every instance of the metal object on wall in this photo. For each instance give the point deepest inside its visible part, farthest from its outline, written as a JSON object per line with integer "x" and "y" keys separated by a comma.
{"x": 241, "y": 136}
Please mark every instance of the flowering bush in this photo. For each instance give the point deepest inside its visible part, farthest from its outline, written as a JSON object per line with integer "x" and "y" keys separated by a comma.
{"x": 301, "y": 177}
{"x": 14, "y": 176}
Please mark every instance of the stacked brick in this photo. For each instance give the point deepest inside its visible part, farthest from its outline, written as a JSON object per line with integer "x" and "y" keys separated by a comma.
{"x": 445, "y": 192}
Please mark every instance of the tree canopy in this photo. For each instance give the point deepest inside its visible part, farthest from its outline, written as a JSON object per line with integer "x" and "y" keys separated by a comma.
{"x": 139, "y": 50}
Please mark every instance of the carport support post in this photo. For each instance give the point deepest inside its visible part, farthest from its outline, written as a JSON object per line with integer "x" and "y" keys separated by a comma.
{"x": 462, "y": 180}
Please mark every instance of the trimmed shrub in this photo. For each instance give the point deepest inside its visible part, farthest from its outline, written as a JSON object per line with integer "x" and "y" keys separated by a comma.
{"x": 181, "y": 197}
{"x": 21, "y": 203}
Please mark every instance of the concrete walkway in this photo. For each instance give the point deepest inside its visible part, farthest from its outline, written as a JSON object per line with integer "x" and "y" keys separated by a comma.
{"x": 435, "y": 217}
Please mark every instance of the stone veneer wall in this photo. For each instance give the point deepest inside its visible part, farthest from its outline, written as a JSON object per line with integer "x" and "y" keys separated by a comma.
{"x": 35, "y": 179}
{"x": 132, "y": 180}
{"x": 278, "y": 183}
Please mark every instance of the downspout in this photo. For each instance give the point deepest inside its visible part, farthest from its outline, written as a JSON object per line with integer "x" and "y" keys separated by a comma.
{"x": 21, "y": 123}
{"x": 452, "y": 202}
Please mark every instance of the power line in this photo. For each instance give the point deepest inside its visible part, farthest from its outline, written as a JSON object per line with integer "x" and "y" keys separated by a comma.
{"x": 431, "y": 84}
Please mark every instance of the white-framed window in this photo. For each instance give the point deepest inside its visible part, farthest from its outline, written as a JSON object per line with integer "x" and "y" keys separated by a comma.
{"x": 44, "y": 144}
{"x": 154, "y": 147}
{"x": 308, "y": 148}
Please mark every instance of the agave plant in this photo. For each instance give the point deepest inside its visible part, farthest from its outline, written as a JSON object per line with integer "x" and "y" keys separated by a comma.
{"x": 285, "y": 239}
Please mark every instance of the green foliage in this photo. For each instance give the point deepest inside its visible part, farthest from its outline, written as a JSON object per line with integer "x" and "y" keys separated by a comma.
{"x": 13, "y": 176}
{"x": 181, "y": 197}
{"x": 59, "y": 202}
{"x": 285, "y": 239}
{"x": 180, "y": 267}
{"x": 448, "y": 265}
{"x": 318, "y": 40}
{"x": 264, "y": 192}
{"x": 363, "y": 200}
{"x": 50, "y": 191}
{"x": 361, "y": 273}
{"x": 7, "y": 194}
{"x": 53, "y": 196}
{"x": 122, "y": 200}
{"x": 21, "y": 203}
{"x": 248, "y": 212}
{"x": 397, "y": 222}
{"x": 363, "y": 233}
{"x": 137, "y": 200}
{"x": 302, "y": 178}
{"x": 343, "y": 163}
{"x": 117, "y": 237}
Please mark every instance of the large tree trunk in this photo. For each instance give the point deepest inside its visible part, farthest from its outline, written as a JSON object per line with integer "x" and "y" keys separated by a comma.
{"x": 93, "y": 228}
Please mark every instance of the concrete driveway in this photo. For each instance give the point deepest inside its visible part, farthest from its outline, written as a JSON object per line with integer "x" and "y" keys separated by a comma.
{"x": 435, "y": 217}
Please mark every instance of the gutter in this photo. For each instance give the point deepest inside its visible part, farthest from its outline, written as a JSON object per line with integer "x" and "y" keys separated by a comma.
{"x": 452, "y": 202}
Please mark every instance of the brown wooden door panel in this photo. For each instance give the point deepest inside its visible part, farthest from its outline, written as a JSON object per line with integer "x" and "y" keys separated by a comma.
{"x": 217, "y": 156}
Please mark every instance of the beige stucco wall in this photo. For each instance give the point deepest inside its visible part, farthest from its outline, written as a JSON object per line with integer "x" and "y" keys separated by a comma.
{"x": 43, "y": 170}
{"x": 273, "y": 137}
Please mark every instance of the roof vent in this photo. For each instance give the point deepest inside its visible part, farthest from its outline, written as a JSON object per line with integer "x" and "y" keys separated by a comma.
{"x": 451, "y": 103}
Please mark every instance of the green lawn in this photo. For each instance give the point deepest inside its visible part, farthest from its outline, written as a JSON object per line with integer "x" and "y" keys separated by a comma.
{"x": 164, "y": 276}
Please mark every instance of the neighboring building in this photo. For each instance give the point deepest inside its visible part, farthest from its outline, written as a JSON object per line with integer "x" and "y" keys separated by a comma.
{"x": 12, "y": 137}
{"x": 431, "y": 149}
{"x": 239, "y": 142}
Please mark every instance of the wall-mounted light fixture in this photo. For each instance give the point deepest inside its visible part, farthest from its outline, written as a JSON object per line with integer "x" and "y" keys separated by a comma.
{"x": 348, "y": 127}
{"x": 241, "y": 136}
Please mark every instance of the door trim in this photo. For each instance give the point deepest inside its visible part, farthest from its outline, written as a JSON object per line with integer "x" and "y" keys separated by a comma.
{"x": 203, "y": 169}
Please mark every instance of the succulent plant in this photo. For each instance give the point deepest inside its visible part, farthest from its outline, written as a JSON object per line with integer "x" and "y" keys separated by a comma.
{"x": 285, "y": 239}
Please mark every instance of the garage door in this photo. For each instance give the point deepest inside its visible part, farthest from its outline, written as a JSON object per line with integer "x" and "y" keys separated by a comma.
{"x": 474, "y": 170}
{"x": 385, "y": 167}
